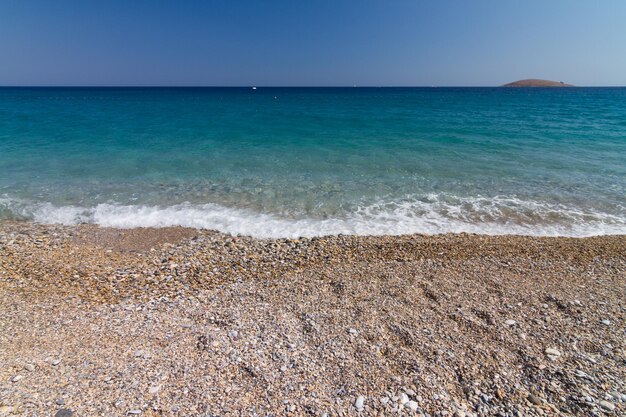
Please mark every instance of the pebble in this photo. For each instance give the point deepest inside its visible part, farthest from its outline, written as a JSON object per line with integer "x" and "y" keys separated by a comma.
{"x": 16, "y": 378}
{"x": 607, "y": 405}
{"x": 56, "y": 362}
{"x": 64, "y": 412}
{"x": 510, "y": 322}
{"x": 459, "y": 413}
{"x": 552, "y": 353}
{"x": 29, "y": 367}
{"x": 411, "y": 405}
{"x": 606, "y": 322}
{"x": 535, "y": 399}
{"x": 403, "y": 398}
{"x": 134, "y": 412}
{"x": 154, "y": 389}
{"x": 581, "y": 374}
{"x": 59, "y": 401}
{"x": 359, "y": 403}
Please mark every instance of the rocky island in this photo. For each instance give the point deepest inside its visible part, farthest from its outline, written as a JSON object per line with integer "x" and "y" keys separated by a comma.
{"x": 532, "y": 82}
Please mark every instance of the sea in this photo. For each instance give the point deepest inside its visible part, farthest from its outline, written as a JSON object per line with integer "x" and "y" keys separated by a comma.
{"x": 290, "y": 162}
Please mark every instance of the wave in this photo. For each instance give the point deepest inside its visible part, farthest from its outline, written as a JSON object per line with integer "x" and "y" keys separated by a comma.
{"x": 433, "y": 214}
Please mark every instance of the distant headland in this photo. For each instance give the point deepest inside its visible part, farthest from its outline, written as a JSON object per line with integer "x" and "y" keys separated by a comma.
{"x": 537, "y": 83}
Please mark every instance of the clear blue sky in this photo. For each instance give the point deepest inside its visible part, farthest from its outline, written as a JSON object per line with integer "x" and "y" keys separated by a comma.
{"x": 315, "y": 42}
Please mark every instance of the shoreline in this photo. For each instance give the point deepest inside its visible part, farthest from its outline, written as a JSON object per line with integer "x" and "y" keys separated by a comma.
{"x": 177, "y": 321}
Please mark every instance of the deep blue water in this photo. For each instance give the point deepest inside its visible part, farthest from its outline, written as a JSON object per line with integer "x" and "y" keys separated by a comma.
{"x": 311, "y": 161}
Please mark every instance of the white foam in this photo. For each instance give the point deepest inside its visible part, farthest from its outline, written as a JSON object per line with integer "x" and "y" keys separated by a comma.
{"x": 434, "y": 214}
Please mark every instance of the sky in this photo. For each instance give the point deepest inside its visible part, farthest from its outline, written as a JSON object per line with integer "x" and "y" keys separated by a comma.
{"x": 311, "y": 43}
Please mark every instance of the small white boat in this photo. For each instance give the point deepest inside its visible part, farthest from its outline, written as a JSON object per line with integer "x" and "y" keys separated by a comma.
{"x": 254, "y": 88}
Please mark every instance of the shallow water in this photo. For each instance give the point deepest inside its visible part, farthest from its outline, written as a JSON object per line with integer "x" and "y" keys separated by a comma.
{"x": 277, "y": 162}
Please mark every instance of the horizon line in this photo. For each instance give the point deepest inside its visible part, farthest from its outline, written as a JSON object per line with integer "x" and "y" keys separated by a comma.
{"x": 303, "y": 86}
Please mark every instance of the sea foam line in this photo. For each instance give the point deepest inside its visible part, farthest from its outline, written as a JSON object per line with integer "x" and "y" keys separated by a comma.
{"x": 432, "y": 215}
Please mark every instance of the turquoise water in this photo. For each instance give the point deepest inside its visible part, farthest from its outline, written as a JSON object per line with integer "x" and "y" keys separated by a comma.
{"x": 277, "y": 162}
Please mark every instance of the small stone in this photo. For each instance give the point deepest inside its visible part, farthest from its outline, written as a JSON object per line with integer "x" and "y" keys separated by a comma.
{"x": 359, "y": 403}
{"x": 29, "y": 367}
{"x": 411, "y": 405}
{"x": 459, "y": 413}
{"x": 154, "y": 389}
{"x": 616, "y": 395}
{"x": 64, "y": 412}
{"x": 352, "y": 331}
{"x": 403, "y": 398}
{"x": 56, "y": 362}
{"x": 134, "y": 412}
{"x": 607, "y": 405}
{"x": 283, "y": 368}
{"x": 499, "y": 394}
{"x": 606, "y": 322}
{"x": 16, "y": 378}
{"x": 552, "y": 353}
{"x": 535, "y": 399}
{"x": 581, "y": 374}
{"x": 510, "y": 322}
{"x": 409, "y": 392}
{"x": 59, "y": 401}
{"x": 5, "y": 409}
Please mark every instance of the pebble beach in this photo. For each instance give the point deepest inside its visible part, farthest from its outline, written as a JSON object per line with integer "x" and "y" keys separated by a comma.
{"x": 185, "y": 322}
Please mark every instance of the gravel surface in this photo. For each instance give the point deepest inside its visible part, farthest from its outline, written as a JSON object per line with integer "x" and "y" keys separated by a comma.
{"x": 184, "y": 322}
